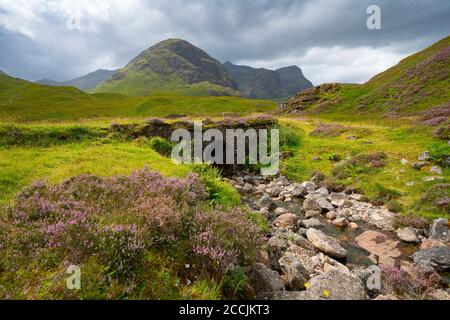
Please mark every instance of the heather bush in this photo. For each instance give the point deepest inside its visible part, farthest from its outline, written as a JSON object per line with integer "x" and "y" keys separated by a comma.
{"x": 401, "y": 283}
{"x": 110, "y": 227}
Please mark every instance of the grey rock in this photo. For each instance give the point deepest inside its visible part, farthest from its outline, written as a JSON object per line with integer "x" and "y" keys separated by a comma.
{"x": 275, "y": 248}
{"x": 264, "y": 279}
{"x": 266, "y": 202}
{"x": 296, "y": 274}
{"x": 311, "y": 205}
{"x": 408, "y": 235}
{"x": 309, "y": 186}
{"x": 439, "y": 230}
{"x": 419, "y": 165}
{"x": 424, "y": 156}
{"x": 438, "y": 258}
{"x": 341, "y": 222}
{"x": 326, "y": 244}
{"x": 338, "y": 285}
{"x": 311, "y": 223}
{"x": 436, "y": 170}
{"x": 312, "y": 214}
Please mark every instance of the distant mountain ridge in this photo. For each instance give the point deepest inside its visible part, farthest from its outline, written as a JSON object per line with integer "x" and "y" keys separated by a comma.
{"x": 174, "y": 66}
{"x": 268, "y": 84}
{"x": 419, "y": 82}
{"x": 85, "y": 83}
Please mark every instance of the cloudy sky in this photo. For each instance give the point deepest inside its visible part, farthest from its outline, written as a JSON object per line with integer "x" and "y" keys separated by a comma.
{"x": 328, "y": 39}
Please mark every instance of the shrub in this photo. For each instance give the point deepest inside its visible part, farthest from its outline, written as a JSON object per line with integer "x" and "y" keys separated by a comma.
{"x": 112, "y": 225}
{"x": 359, "y": 164}
{"x": 440, "y": 154}
{"x": 384, "y": 195}
{"x": 161, "y": 145}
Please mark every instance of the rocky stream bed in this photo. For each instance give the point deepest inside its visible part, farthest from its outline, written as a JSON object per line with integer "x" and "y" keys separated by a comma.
{"x": 328, "y": 245}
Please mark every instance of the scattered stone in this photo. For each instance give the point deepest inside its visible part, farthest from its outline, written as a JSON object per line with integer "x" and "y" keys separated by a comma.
{"x": 248, "y": 188}
{"x": 311, "y": 205}
{"x": 322, "y": 191}
{"x": 404, "y": 161}
{"x": 283, "y": 296}
{"x": 279, "y": 211}
{"x": 436, "y": 170}
{"x": 331, "y": 215}
{"x": 378, "y": 244}
{"x": 266, "y": 202}
{"x": 312, "y": 214}
{"x": 438, "y": 258}
{"x": 264, "y": 279}
{"x": 424, "y": 156}
{"x": 311, "y": 223}
{"x": 353, "y": 225}
{"x": 356, "y": 196}
{"x": 383, "y": 219}
{"x": 431, "y": 243}
{"x": 341, "y": 222}
{"x": 275, "y": 248}
{"x": 287, "y": 199}
{"x": 336, "y": 285}
{"x": 387, "y": 262}
{"x": 324, "y": 204}
{"x": 439, "y": 230}
{"x": 326, "y": 244}
{"x": 308, "y": 186}
{"x": 408, "y": 235}
{"x": 419, "y": 165}
{"x": 296, "y": 274}
{"x": 287, "y": 220}
{"x": 351, "y": 137}
{"x": 299, "y": 192}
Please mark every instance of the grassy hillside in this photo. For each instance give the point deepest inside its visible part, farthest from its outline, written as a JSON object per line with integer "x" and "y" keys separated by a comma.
{"x": 324, "y": 146}
{"x": 174, "y": 66}
{"x": 417, "y": 83}
{"x": 21, "y": 100}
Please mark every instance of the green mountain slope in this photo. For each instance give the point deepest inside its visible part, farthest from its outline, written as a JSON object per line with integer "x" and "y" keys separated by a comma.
{"x": 174, "y": 66}
{"x": 21, "y": 100}
{"x": 85, "y": 83}
{"x": 417, "y": 83}
{"x": 268, "y": 84}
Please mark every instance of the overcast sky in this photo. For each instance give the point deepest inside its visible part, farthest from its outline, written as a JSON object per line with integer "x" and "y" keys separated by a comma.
{"x": 328, "y": 39}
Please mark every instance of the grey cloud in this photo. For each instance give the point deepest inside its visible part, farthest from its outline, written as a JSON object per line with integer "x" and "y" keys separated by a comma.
{"x": 265, "y": 33}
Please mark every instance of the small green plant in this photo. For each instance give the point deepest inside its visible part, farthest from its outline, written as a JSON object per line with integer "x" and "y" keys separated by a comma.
{"x": 440, "y": 154}
{"x": 234, "y": 283}
{"x": 161, "y": 145}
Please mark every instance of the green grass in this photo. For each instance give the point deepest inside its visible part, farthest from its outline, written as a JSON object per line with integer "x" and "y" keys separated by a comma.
{"x": 23, "y": 101}
{"x": 402, "y": 141}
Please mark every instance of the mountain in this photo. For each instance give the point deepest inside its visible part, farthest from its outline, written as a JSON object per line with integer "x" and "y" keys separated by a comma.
{"x": 85, "y": 83}
{"x": 174, "y": 66}
{"x": 418, "y": 83}
{"x": 268, "y": 84}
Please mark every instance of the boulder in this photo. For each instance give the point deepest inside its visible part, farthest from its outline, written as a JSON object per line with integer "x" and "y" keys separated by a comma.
{"x": 311, "y": 214}
{"x": 341, "y": 222}
{"x": 408, "y": 235}
{"x": 378, "y": 244}
{"x": 311, "y": 223}
{"x": 263, "y": 279}
{"x": 296, "y": 274}
{"x": 248, "y": 188}
{"x": 430, "y": 243}
{"x": 266, "y": 202}
{"x": 438, "y": 258}
{"x": 336, "y": 285}
{"x": 308, "y": 186}
{"x": 326, "y": 244}
{"x": 311, "y": 205}
{"x": 287, "y": 220}
{"x": 279, "y": 211}
{"x": 439, "y": 230}
{"x": 275, "y": 248}
{"x": 324, "y": 204}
